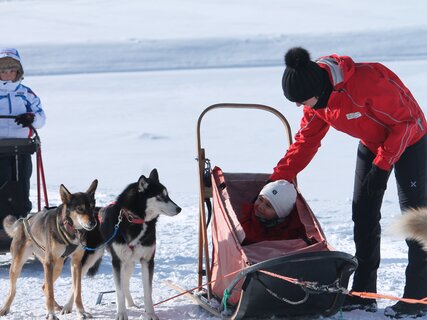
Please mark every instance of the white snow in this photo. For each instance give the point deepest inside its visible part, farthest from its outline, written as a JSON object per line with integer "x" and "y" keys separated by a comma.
{"x": 124, "y": 82}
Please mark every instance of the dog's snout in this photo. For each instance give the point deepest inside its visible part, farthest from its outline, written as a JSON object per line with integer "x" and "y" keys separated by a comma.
{"x": 178, "y": 210}
{"x": 88, "y": 222}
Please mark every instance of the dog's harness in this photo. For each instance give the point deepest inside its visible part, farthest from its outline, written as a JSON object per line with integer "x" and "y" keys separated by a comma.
{"x": 69, "y": 229}
{"x": 131, "y": 217}
{"x": 66, "y": 224}
{"x": 27, "y": 229}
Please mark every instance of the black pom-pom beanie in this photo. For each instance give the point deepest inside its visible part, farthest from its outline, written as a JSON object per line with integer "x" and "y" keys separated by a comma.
{"x": 303, "y": 78}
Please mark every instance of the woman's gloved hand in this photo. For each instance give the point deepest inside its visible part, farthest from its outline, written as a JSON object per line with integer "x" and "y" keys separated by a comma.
{"x": 375, "y": 181}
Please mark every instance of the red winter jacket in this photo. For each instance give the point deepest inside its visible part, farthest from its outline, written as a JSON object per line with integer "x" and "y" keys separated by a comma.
{"x": 368, "y": 102}
{"x": 290, "y": 228}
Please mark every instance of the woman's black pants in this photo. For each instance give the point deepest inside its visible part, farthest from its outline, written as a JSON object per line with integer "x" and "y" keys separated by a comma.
{"x": 411, "y": 178}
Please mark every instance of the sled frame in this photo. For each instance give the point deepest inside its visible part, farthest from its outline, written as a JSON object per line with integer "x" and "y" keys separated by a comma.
{"x": 203, "y": 245}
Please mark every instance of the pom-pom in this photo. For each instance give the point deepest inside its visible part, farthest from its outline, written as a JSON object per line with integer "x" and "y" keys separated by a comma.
{"x": 297, "y": 57}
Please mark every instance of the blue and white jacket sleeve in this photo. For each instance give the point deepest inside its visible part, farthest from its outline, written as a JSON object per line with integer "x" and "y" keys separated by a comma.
{"x": 34, "y": 106}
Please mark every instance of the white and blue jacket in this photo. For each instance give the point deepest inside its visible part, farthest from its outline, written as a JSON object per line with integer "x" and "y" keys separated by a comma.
{"x": 15, "y": 99}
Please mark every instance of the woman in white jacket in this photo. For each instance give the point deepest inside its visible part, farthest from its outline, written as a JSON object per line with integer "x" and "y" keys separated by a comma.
{"x": 20, "y": 101}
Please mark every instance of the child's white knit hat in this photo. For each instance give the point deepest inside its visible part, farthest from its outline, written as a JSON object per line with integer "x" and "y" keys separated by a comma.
{"x": 282, "y": 196}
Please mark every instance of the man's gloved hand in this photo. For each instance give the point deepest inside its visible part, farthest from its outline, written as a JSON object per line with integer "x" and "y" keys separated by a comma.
{"x": 376, "y": 181}
{"x": 25, "y": 119}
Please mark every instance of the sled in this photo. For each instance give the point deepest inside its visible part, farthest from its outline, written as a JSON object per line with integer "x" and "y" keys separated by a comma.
{"x": 281, "y": 278}
{"x": 12, "y": 198}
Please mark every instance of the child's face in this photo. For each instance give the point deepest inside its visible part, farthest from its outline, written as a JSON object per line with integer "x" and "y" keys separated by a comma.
{"x": 8, "y": 74}
{"x": 264, "y": 209}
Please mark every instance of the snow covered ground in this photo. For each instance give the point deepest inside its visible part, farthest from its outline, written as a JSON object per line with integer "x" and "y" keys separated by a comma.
{"x": 123, "y": 83}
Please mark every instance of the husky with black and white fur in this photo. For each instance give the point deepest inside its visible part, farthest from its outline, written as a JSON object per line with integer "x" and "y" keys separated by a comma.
{"x": 135, "y": 214}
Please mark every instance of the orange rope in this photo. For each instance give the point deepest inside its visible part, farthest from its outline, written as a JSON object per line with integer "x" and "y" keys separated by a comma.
{"x": 275, "y": 275}
{"x": 364, "y": 295}
{"x": 198, "y": 287}
{"x": 371, "y": 295}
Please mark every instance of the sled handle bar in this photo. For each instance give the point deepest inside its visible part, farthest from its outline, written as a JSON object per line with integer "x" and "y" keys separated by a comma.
{"x": 203, "y": 238}
{"x": 243, "y": 106}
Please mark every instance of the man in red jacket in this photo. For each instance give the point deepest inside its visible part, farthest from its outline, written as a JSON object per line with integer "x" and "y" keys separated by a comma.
{"x": 369, "y": 102}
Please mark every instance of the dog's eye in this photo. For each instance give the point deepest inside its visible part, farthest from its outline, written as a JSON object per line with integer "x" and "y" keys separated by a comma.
{"x": 79, "y": 209}
{"x": 161, "y": 198}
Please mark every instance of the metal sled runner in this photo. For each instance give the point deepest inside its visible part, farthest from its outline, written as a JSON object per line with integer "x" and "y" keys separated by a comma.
{"x": 285, "y": 277}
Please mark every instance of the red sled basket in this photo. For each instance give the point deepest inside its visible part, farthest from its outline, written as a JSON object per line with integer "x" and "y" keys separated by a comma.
{"x": 281, "y": 278}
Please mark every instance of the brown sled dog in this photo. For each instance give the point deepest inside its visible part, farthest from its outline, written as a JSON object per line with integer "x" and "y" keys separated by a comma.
{"x": 413, "y": 225}
{"x": 52, "y": 235}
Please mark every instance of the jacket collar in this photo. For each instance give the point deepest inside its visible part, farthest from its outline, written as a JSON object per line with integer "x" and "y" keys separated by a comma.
{"x": 9, "y": 86}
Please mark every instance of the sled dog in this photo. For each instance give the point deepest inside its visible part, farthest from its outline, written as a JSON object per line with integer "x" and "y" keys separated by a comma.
{"x": 135, "y": 212}
{"x": 51, "y": 235}
{"x": 413, "y": 225}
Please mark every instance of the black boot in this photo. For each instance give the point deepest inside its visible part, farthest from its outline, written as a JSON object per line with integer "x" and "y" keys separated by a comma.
{"x": 405, "y": 310}
{"x": 356, "y": 303}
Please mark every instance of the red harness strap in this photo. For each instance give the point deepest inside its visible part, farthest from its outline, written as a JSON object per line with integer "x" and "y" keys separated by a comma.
{"x": 132, "y": 218}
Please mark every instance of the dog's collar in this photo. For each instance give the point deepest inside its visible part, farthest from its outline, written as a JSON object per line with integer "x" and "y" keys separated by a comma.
{"x": 131, "y": 217}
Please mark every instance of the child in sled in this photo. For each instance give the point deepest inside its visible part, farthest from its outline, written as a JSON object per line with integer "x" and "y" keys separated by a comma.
{"x": 273, "y": 215}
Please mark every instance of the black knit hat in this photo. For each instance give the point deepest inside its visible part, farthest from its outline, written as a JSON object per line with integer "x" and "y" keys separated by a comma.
{"x": 303, "y": 78}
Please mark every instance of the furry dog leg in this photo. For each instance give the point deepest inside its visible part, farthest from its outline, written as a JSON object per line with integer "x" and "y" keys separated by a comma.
{"x": 76, "y": 269}
{"x": 126, "y": 285}
{"x": 20, "y": 254}
{"x": 89, "y": 263}
{"x": 57, "y": 269}
{"x": 119, "y": 274}
{"x": 147, "y": 269}
{"x": 48, "y": 288}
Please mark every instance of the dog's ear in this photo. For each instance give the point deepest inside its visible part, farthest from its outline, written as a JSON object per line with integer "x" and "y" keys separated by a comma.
{"x": 65, "y": 194}
{"x": 154, "y": 175}
{"x": 92, "y": 187}
{"x": 142, "y": 184}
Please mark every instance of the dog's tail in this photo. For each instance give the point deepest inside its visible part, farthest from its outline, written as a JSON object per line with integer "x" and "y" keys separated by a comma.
{"x": 413, "y": 225}
{"x": 10, "y": 225}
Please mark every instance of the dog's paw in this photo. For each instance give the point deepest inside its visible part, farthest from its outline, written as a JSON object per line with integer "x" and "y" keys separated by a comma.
{"x": 122, "y": 316}
{"x": 51, "y": 316}
{"x": 4, "y": 311}
{"x": 84, "y": 315}
{"x": 66, "y": 309}
{"x": 150, "y": 316}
